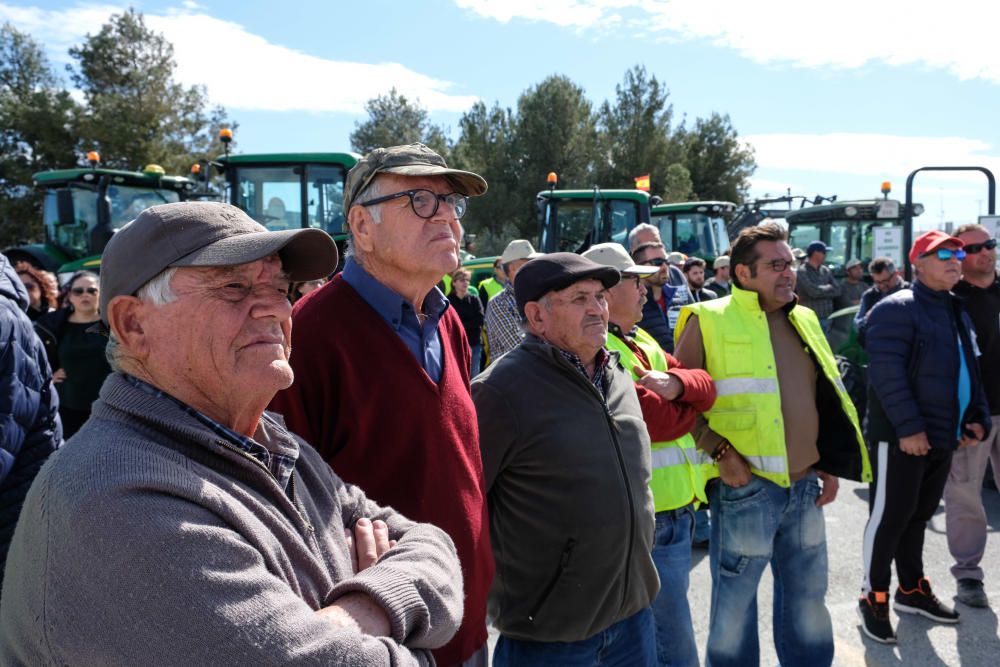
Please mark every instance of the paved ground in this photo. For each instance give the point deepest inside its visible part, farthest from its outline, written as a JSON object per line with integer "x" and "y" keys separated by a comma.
{"x": 975, "y": 642}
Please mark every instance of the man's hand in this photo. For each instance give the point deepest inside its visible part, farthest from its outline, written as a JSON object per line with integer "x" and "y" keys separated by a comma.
{"x": 358, "y": 612}
{"x": 367, "y": 542}
{"x": 734, "y": 469}
{"x": 59, "y": 375}
{"x": 915, "y": 445}
{"x": 830, "y": 486}
{"x": 977, "y": 431}
{"x": 664, "y": 384}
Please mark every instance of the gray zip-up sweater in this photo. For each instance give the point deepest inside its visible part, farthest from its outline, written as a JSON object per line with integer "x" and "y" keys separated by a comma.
{"x": 148, "y": 540}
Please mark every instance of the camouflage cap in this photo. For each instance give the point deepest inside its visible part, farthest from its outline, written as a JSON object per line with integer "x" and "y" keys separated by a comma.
{"x": 409, "y": 160}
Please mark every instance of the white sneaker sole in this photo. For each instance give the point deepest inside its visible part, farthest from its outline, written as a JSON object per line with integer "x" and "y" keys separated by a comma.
{"x": 907, "y": 609}
{"x": 873, "y": 637}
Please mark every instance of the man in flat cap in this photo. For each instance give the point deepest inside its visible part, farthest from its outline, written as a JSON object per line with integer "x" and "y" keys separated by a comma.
{"x": 382, "y": 365}
{"x": 185, "y": 525}
{"x": 566, "y": 454}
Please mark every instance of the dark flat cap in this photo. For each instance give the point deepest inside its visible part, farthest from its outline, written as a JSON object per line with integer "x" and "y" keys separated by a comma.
{"x": 205, "y": 234}
{"x": 556, "y": 271}
{"x": 408, "y": 160}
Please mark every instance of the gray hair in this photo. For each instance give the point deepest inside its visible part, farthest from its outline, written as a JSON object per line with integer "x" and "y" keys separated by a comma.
{"x": 159, "y": 292}
{"x": 373, "y": 190}
{"x": 639, "y": 229}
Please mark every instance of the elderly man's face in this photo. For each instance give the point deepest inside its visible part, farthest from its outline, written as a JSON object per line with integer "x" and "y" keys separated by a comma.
{"x": 625, "y": 301}
{"x": 939, "y": 274}
{"x": 226, "y": 337}
{"x": 409, "y": 243}
{"x": 575, "y": 319}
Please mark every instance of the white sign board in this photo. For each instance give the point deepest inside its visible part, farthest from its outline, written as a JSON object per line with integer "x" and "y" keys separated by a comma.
{"x": 888, "y": 242}
{"x": 990, "y": 223}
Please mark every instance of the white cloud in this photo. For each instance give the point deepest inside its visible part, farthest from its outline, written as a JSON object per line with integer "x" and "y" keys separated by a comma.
{"x": 876, "y": 155}
{"x": 242, "y": 70}
{"x": 956, "y": 36}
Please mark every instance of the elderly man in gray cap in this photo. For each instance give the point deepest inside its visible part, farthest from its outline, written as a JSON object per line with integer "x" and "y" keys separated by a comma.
{"x": 503, "y": 322}
{"x": 185, "y": 525}
{"x": 382, "y": 365}
{"x": 566, "y": 455}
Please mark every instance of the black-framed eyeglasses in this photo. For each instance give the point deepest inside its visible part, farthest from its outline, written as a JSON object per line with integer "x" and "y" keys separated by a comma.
{"x": 976, "y": 248}
{"x": 637, "y": 279}
{"x": 779, "y": 265}
{"x": 425, "y": 203}
{"x": 78, "y": 291}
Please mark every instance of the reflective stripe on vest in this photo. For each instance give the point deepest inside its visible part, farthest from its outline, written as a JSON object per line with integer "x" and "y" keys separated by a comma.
{"x": 739, "y": 357}
{"x": 676, "y": 478}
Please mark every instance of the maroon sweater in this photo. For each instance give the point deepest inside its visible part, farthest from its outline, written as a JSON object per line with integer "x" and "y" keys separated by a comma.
{"x": 361, "y": 398}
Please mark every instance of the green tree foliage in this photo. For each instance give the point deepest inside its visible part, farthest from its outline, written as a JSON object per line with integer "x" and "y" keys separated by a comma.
{"x": 36, "y": 132}
{"x": 486, "y": 146}
{"x": 136, "y": 113}
{"x": 393, "y": 120}
{"x": 677, "y": 184}
{"x": 720, "y": 164}
{"x": 636, "y": 137}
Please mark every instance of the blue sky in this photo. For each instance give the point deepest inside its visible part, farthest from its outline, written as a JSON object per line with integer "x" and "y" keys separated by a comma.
{"x": 833, "y": 97}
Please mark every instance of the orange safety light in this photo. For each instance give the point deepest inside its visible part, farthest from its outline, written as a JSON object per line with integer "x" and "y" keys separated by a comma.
{"x": 552, "y": 179}
{"x": 886, "y": 187}
{"x": 94, "y": 158}
{"x": 196, "y": 169}
{"x": 225, "y": 135}
{"x": 153, "y": 169}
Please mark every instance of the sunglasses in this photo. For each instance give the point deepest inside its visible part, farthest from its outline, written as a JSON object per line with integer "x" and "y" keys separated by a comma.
{"x": 656, "y": 261}
{"x": 79, "y": 291}
{"x": 945, "y": 254}
{"x": 976, "y": 248}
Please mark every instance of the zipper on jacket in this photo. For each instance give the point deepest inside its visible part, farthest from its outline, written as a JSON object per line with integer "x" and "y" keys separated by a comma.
{"x": 550, "y": 586}
{"x": 263, "y": 467}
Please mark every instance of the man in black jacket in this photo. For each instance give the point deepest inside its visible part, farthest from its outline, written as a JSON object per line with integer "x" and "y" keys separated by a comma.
{"x": 923, "y": 352}
{"x": 963, "y": 495}
{"x": 30, "y": 429}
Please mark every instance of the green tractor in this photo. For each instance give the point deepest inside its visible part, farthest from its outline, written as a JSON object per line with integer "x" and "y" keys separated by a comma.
{"x": 574, "y": 220}
{"x": 82, "y": 208}
{"x": 697, "y": 229}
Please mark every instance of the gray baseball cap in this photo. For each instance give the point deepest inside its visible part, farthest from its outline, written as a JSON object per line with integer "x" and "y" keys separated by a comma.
{"x": 205, "y": 234}
{"x": 408, "y": 160}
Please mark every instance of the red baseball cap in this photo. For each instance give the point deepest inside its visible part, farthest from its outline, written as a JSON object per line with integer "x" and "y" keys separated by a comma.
{"x": 930, "y": 241}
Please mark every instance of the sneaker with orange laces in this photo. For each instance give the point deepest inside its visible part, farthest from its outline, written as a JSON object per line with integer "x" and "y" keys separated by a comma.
{"x": 874, "y": 612}
{"x": 921, "y": 600}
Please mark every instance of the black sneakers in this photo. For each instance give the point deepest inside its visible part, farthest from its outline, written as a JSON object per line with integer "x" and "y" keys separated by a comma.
{"x": 922, "y": 601}
{"x": 970, "y": 592}
{"x": 874, "y": 612}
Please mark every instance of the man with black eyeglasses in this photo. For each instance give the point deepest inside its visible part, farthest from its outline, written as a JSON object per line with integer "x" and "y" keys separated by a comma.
{"x": 925, "y": 400}
{"x": 782, "y": 430}
{"x": 885, "y": 281}
{"x": 382, "y": 365}
{"x": 963, "y": 496}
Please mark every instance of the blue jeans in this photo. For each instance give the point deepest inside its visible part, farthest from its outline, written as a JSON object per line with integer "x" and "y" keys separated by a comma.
{"x": 627, "y": 643}
{"x": 702, "y": 526}
{"x": 675, "y": 646}
{"x": 477, "y": 359}
{"x": 753, "y": 526}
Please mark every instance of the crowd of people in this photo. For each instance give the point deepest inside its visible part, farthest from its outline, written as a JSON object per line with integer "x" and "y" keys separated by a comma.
{"x": 368, "y": 497}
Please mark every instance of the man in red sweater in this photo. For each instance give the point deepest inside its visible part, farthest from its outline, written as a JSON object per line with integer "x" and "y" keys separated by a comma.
{"x": 382, "y": 365}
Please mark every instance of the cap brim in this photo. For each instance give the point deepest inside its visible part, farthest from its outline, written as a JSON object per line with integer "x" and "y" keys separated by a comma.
{"x": 306, "y": 254}
{"x": 641, "y": 270}
{"x": 465, "y": 182}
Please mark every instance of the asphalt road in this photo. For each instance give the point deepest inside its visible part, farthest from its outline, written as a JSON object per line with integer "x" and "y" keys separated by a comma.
{"x": 974, "y": 642}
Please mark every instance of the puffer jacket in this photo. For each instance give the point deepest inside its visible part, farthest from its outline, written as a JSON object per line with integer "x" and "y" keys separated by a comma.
{"x": 29, "y": 407}
{"x": 912, "y": 342}
{"x": 657, "y": 323}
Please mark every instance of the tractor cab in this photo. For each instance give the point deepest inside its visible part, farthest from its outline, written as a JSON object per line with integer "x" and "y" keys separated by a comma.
{"x": 574, "y": 220}
{"x": 697, "y": 229}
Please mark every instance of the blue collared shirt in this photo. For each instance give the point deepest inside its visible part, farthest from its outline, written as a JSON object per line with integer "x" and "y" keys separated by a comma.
{"x": 422, "y": 340}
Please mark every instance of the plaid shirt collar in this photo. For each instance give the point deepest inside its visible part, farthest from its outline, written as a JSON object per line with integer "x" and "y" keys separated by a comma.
{"x": 600, "y": 366}
{"x": 279, "y": 465}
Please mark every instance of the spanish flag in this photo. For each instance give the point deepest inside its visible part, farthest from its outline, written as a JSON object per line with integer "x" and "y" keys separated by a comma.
{"x": 642, "y": 182}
